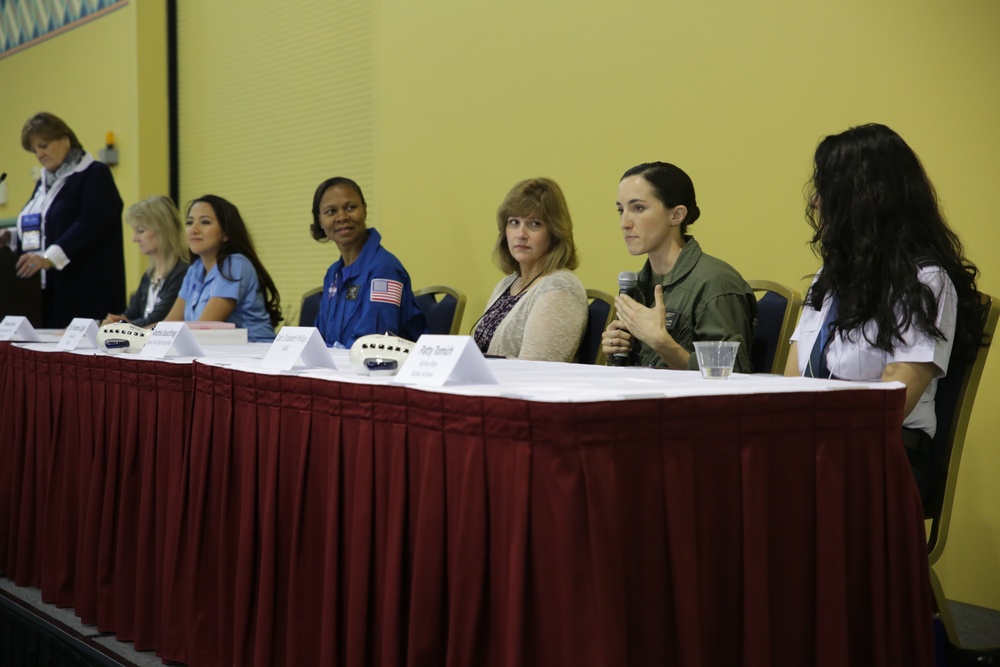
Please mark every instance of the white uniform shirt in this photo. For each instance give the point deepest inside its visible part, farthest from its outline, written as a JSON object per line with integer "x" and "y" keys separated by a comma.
{"x": 854, "y": 358}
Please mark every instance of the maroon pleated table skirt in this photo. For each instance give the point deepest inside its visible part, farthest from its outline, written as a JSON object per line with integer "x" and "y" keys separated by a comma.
{"x": 223, "y": 517}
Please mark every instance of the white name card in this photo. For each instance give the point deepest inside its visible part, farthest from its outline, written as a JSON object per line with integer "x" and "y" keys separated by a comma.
{"x": 81, "y": 332}
{"x": 17, "y": 327}
{"x": 169, "y": 336}
{"x": 439, "y": 360}
{"x": 295, "y": 343}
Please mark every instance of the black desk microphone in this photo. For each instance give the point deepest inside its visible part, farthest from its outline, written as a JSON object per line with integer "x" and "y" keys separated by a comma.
{"x": 627, "y": 281}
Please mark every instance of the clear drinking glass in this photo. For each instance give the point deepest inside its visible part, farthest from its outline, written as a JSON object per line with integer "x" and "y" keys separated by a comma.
{"x": 716, "y": 358}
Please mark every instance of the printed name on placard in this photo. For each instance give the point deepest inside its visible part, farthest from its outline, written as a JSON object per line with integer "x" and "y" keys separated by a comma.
{"x": 439, "y": 360}
{"x": 81, "y": 332}
{"x": 17, "y": 328}
{"x": 295, "y": 345}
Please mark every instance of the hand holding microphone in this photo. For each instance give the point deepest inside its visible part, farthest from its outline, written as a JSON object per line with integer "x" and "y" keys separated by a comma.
{"x": 618, "y": 343}
{"x": 636, "y": 322}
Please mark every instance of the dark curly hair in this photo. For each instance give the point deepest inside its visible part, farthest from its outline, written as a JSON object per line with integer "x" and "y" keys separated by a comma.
{"x": 240, "y": 242}
{"x": 876, "y": 221}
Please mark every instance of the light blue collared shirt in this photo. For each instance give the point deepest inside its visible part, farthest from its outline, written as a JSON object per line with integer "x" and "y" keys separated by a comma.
{"x": 237, "y": 281}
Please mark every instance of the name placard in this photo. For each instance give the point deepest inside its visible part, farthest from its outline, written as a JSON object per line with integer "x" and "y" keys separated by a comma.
{"x": 170, "y": 337}
{"x": 81, "y": 333}
{"x": 17, "y": 327}
{"x": 295, "y": 343}
{"x": 439, "y": 360}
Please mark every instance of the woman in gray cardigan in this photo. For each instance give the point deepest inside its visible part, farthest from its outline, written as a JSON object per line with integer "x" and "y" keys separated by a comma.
{"x": 539, "y": 310}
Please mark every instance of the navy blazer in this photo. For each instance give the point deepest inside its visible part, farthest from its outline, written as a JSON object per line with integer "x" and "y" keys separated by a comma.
{"x": 85, "y": 220}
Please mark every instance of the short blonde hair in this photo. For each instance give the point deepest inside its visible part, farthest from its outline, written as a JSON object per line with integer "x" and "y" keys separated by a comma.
{"x": 161, "y": 215}
{"x": 541, "y": 197}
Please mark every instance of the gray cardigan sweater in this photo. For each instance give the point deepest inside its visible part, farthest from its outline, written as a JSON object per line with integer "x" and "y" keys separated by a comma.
{"x": 547, "y": 323}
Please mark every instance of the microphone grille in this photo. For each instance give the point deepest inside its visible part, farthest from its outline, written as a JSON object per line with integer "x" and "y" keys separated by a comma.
{"x": 628, "y": 279}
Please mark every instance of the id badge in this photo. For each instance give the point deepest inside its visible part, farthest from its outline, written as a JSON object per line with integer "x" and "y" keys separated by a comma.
{"x": 671, "y": 319}
{"x": 31, "y": 232}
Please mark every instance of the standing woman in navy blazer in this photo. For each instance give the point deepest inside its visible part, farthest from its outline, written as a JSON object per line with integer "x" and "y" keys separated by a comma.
{"x": 71, "y": 228}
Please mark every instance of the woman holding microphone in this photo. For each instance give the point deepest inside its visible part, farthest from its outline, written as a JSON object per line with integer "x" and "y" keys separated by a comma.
{"x": 683, "y": 294}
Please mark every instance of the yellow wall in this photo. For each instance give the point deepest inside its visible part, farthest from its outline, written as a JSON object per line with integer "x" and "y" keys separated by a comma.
{"x": 270, "y": 106}
{"x": 470, "y": 97}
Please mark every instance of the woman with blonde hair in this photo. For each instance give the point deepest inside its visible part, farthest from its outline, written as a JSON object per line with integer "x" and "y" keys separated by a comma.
{"x": 539, "y": 310}
{"x": 156, "y": 228}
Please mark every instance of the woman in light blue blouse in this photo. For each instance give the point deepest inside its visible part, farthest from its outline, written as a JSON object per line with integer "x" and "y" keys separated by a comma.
{"x": 227, "y": 282}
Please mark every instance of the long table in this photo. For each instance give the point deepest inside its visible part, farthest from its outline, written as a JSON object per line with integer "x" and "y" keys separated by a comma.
{"x": 226, "y": 516}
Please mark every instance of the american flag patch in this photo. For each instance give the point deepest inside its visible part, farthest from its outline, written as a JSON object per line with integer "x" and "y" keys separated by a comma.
{"x": 386, "y": 291}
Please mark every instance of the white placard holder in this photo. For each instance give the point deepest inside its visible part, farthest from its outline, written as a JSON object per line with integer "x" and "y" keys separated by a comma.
{"x": 17, "y": 327}
{"x": 295, "y": 343}
{"x": 436, "y": 361}
{"x": 169, "y": 336}
{"x": 81, "y": 332}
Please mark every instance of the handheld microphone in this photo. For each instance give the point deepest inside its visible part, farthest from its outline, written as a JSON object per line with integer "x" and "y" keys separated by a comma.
{"x": 3, "y": 177}
{"x": 627, "y": 281}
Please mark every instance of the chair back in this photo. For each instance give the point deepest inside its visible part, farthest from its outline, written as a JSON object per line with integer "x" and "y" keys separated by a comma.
{"x": 442, "y": 307}
{"x": 600, "y": 312}
{"x": 310, "y": 307}
{"x": 956, "y": 393}
{"x": 777, "y": 312}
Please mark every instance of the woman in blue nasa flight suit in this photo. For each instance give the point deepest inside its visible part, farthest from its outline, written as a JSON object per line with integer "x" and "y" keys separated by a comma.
{"x": 367, "y": 290}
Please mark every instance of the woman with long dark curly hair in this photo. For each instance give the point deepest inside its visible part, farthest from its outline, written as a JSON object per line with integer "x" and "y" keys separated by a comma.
{"x": 895, "y": 293}
{"x": 227, "y": 282}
